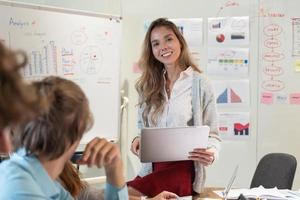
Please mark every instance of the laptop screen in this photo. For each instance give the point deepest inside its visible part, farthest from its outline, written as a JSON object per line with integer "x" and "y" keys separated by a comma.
{"x": 229, "y": 185}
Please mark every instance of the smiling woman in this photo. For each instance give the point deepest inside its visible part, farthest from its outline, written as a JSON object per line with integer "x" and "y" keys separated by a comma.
{"x": 173, "y": 93}
{"x": 165, "y": 46}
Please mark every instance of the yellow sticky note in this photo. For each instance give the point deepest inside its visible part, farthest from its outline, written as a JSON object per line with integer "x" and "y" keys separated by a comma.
{"x": 297, "y": 65}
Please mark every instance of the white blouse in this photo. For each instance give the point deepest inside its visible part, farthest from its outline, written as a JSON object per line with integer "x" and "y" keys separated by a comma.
{"x": 178, "y": 108}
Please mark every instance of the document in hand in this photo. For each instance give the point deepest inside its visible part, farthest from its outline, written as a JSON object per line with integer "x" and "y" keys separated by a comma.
{"x": 171, "y": 144}
{"x": 258, "y": 192}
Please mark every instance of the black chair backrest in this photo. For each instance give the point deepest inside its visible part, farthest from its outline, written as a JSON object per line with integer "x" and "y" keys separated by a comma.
{"x": 275, "y": 170}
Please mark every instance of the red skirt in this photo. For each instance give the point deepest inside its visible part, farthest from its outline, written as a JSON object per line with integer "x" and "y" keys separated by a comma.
{"x": 176, "y": 177}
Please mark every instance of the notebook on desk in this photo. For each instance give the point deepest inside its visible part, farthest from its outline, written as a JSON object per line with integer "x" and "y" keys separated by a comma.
{"x": 171, "y": 144}
{"x": 259, "y": 193}
{"x": 254, "y": 193}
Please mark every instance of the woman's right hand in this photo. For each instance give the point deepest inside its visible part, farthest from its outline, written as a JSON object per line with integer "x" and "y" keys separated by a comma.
{"x": 135, "y": 146}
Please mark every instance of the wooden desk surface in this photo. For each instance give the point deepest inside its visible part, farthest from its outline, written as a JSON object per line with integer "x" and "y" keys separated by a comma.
{"x": 208, "y": 193}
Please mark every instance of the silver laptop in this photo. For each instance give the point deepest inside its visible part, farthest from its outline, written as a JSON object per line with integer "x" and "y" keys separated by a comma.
{"x": 171, "y": 144}
{"x": 230, "y": 183}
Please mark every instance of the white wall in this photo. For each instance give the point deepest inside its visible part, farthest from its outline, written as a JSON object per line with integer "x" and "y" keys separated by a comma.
{"x": 135, "y": 13}
{"x": 278, "y": 125}
{"x": 273, "y": 128}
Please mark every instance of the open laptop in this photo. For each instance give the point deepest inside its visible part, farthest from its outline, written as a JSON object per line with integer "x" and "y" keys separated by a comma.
{"x": 230, "y": 183}
{"x": 171, "y": 144}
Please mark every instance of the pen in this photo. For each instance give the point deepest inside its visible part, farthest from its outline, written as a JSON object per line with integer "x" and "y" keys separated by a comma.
{"x": 76, "y": 156}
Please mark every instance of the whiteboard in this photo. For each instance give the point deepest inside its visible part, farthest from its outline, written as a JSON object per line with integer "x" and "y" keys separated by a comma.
{"x": 279, "y": 44}
{"x": 82, "y": 47}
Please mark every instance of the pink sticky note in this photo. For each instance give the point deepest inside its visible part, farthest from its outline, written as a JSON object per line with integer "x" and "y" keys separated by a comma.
{"x": 295, "y": 98}
{"x": 266, "y": 98}
{"x": 136, "y": 68}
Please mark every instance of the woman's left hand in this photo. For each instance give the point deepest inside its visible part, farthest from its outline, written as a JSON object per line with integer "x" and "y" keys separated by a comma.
{"x": 204, "y": 156}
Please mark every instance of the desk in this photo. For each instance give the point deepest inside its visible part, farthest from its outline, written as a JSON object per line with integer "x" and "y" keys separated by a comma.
{"x": 208, "y": 193}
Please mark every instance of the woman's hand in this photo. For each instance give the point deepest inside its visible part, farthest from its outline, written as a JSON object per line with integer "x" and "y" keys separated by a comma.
{"x": 135, "y": 146}
{"x": 164, "y": 196}
{"x": 204, "y": 156}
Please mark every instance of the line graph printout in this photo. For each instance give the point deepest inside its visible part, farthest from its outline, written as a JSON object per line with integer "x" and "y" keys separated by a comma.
{"x": 76, "y": 46}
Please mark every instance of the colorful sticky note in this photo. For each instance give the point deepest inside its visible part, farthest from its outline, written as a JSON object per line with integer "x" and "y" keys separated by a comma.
{"x": 136, "y": 68}
{"x": 295, "y": 98}
{"x": 266, "y": 98}
{"x": 297, "y": 65}
{"x": 281, "y": 98}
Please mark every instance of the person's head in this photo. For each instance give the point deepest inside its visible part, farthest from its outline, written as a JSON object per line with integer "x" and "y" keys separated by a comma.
{"x": 164, "y": 46}
{"x": 17, "y": 99}
{"x": 61, "y": 125}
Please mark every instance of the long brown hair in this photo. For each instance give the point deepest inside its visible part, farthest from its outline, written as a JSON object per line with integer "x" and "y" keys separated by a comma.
{"x": 70, "y": 179}
{"x": 17, "y": 99}
{"x": 61, "y": 124}
{"x": 150, "y": 84}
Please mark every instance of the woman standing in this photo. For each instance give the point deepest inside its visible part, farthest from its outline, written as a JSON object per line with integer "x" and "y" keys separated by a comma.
{"x": 172, "y": 93}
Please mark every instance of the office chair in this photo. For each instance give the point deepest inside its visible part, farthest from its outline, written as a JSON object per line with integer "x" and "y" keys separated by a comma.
{"x": 275, "y": 170}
